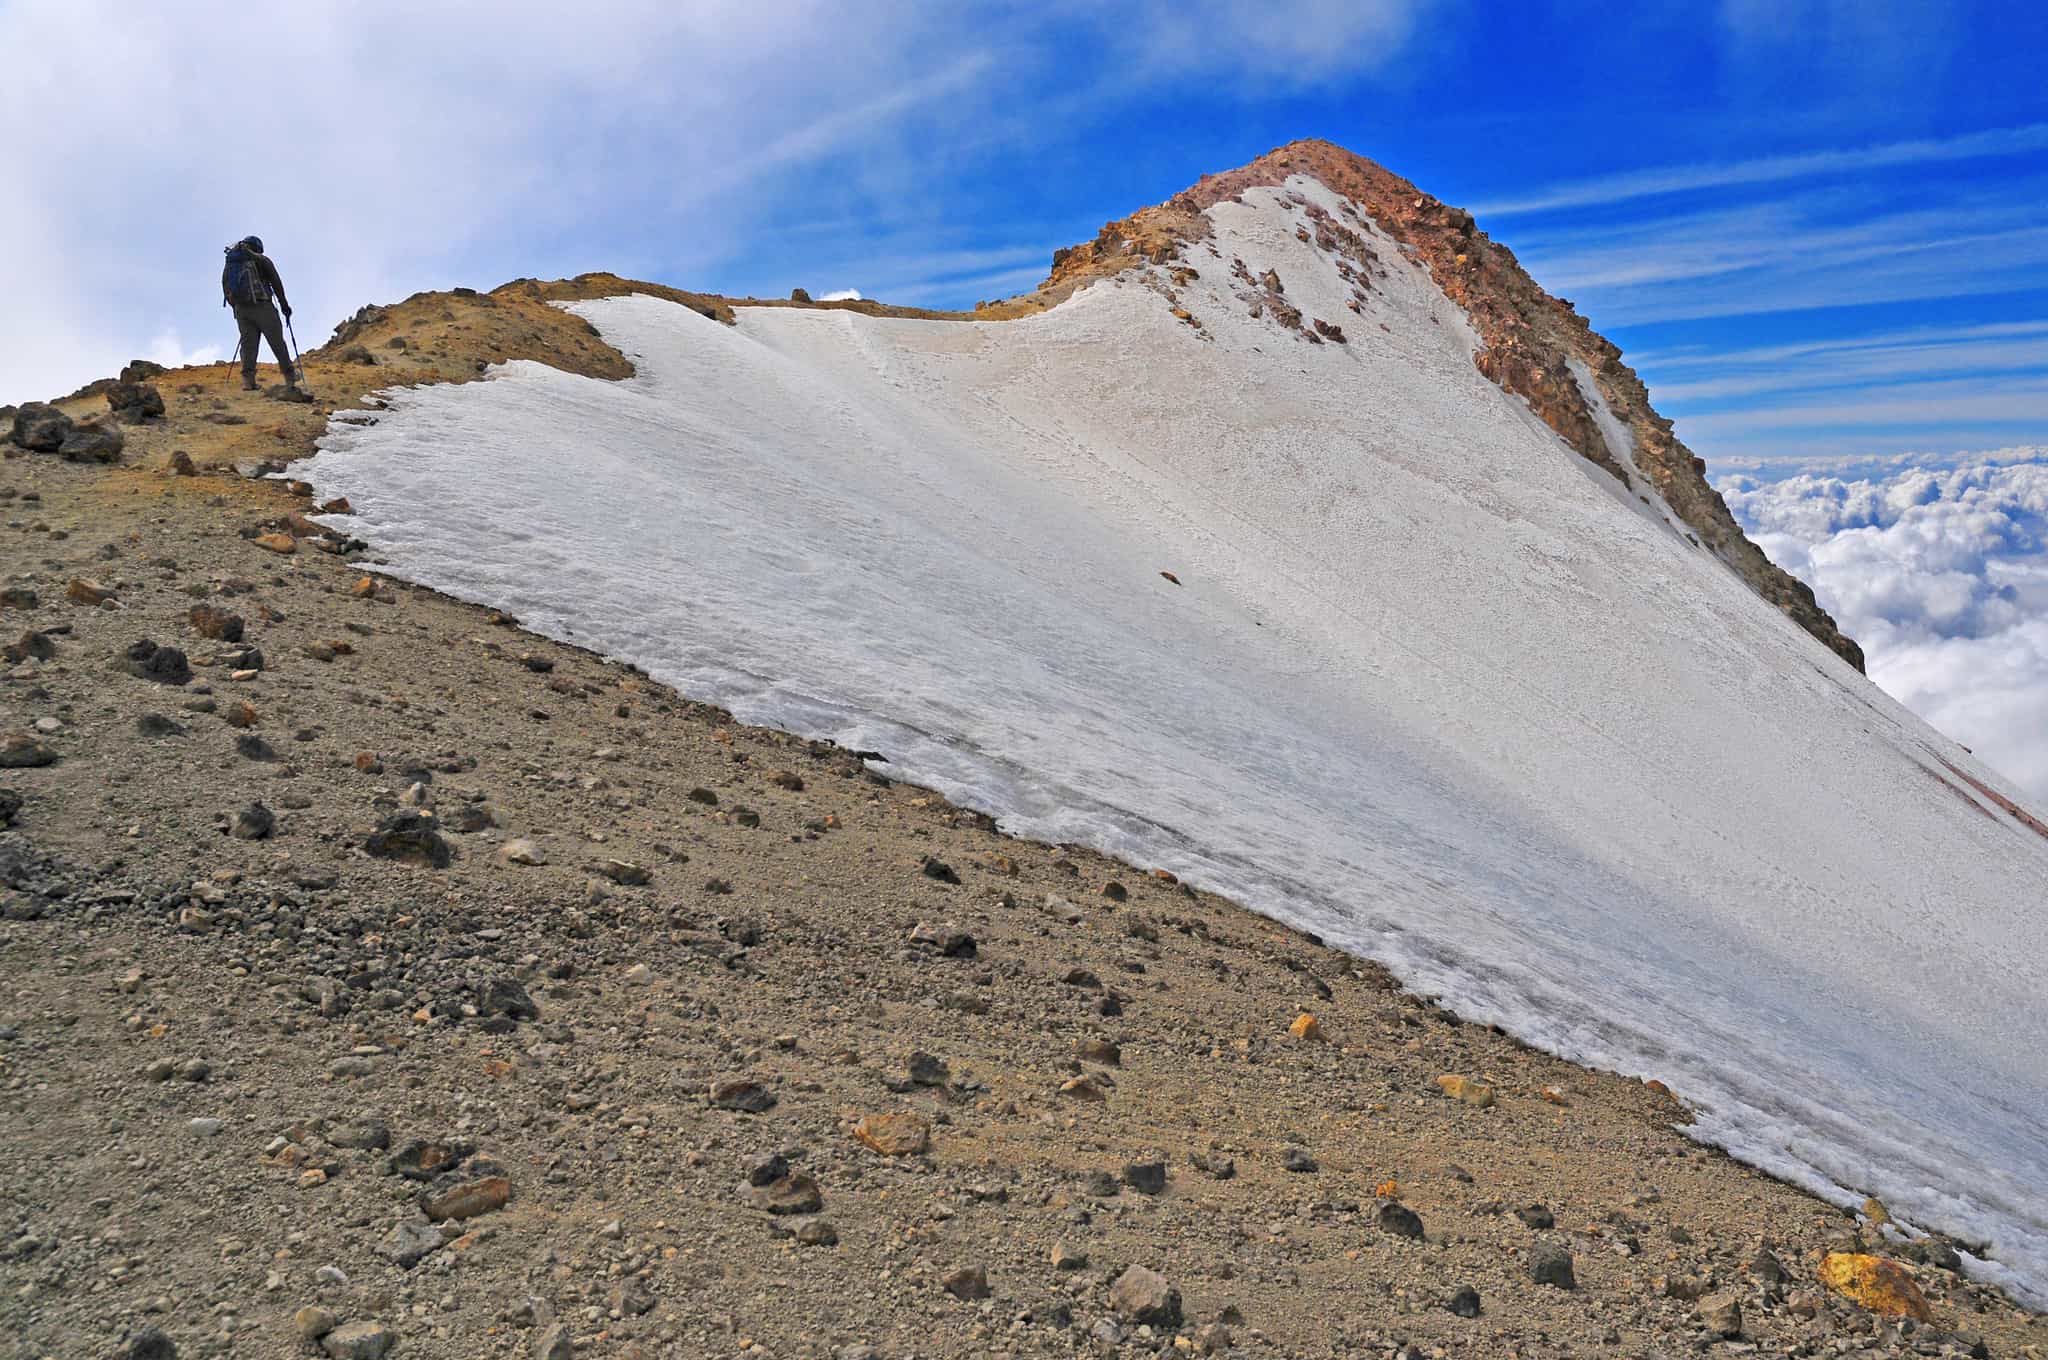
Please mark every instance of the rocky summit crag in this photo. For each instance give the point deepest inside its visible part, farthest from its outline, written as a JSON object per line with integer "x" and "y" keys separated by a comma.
{"x": 379, "y": 979}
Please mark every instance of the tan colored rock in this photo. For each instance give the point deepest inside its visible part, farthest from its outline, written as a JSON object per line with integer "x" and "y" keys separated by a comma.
{"x": 1883, "y": 1286}
{"x": 282, "y": 544}
{"x": 86, "y": 592}
{"x": 1306, "y": 1028}
{"x": 1466, "y": 1091}
{"x": 467, "y": 1201}
{"x": 1082, "y": 1088}
{"x": 894, "y": 1135}
{"x": 1143, "y": 1296}
{"x": 522, "y": 851}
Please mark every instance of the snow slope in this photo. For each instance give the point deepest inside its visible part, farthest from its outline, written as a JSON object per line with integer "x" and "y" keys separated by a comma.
{"x": 1427, "y": 687}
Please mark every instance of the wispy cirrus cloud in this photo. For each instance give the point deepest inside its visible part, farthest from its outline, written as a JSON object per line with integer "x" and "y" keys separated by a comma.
{"x": 1801, "y": 252}
{"x": 1681, "y": 179}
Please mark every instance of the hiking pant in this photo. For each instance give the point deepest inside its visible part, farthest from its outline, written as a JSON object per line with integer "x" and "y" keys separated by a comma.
{"x": 260, "y": 320}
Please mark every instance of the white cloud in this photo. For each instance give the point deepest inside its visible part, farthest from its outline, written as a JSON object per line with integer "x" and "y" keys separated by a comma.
{"x": 1940, "y": 570}
{"x": 1678, "y": 179}
{"x": 842, "y": 295}
{"x": 381, "y": 147}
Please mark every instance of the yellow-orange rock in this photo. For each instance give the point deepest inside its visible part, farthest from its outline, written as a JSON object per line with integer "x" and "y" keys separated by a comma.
{"x": 1465, "y": 1090}
{"x": 277, "y": 543}
{"x": 1882, "y": 1286}
{"x": 894, "y": 1135}
{"x": 1306, "y": 1027}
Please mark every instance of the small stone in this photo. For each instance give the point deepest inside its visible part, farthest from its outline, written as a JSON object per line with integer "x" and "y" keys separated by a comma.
{"x": 253, "y": 823}
{"x": 1765, "y": 1266}
{"x": 88, "y": 592}
{"x": 467, "y": 1201}
{"x": 796, "y": 1193}
{"x": 1298, "y": 1160}
{"x": 1466, "y": 1091}
{"x": 32, "y": 646}
{"x": 938, "y": 870}
{"x": 20, "y": 751}
{"x": 206, "y": 1126}
{"x": 639, "y": 975}
{"x": 1465, "y": 1303}
{"x": 553, "y": 1343}
{"x": 1147, "y": 1178}
{"x": 408, "y": 1244}
{"x": 522, "y": 851}
{"x": 313, "y": 1322}
{"x": 1722, "y": 1316}
{"x": 1098, "y": 1050}
{"x": 409, "y": 838}
{"x": 1081, "y": 1088}
{"x": 1536, "y": 1216}
{"x": 194, "y": 1069}
{"x": 157, "y": 725}
{"x": 282, "y": 544}
{"x": 817, "y": 1233}
{"x": 151, "y": 1343}
{"x": 746, "y": 1096}
{"x": 1400, "y": 1220}
{"x": 1874, "y": 1210}
{"x": 947, "y": 941}
{"x": 894, "y": 1135}
{"x": 628, "y": 875}
{"x": 423, "y": 1159}
{"x": 967, "y": 1282}
{"x": 1552, "y": 1265}
{"x": 217, "y": 624}
{"x": 359, "y": 1341}
{"x": 504, "y": 997}
{"x": 1144, "y": 1297}
{"x": 924, "y": 1069}
{"x": 1306, "y": 1028}
{"x": 1066, "y": 1257}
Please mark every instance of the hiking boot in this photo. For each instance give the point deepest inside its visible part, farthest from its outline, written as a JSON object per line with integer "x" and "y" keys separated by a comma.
{"x": 248, "y": 383}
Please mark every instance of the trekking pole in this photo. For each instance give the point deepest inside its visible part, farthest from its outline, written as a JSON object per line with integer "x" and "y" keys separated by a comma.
{"x": 295, "y": 341}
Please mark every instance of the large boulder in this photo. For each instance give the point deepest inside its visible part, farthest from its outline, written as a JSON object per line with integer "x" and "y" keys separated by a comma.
{"x": 40, "y": 427}
{"x": 134, "y": 402}
{"x": 93, "y": 442}
{"x": 142, "y": 370}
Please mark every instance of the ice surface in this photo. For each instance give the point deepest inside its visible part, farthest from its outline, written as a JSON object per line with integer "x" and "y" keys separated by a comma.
{"x": 1426, "y": 686}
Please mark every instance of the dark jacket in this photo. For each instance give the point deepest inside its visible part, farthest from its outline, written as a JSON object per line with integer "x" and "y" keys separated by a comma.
{"x": 266, "y": 275}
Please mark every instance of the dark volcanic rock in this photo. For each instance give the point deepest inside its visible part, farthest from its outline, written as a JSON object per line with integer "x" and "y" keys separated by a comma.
{"x": 409, "y": 838}
{"x": 134, "y": 402}
{"x": 40, "y": 427}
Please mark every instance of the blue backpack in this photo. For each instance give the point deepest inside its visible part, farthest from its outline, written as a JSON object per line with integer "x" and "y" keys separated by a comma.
{"x": 240, "y": 280}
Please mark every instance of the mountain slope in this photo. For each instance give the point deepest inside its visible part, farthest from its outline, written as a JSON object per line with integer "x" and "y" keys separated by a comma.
{"x": 1336, "y": 624}
{"x": 1531, "y": 343}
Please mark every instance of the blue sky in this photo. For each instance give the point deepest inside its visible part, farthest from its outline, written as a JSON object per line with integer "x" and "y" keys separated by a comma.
{"x": 1815, "y": 225}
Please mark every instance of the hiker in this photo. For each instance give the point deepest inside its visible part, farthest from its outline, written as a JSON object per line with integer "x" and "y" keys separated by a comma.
{"x": 248, "y": 282}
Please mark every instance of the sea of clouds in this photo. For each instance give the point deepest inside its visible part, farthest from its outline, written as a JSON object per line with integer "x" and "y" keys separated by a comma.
{"x": 1939, "y": 567}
